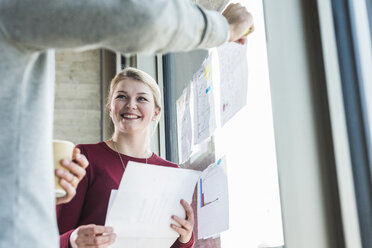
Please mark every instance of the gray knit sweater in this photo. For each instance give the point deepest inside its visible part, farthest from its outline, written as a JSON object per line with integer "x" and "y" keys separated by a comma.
{"x": 29, "y": 31}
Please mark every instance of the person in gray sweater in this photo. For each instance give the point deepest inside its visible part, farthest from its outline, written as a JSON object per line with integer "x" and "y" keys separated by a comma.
{"x": 30, "y": 30}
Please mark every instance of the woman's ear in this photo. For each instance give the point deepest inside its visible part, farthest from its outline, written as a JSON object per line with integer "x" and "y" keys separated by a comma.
{"x": 156, "y": 113}
{"x": 109, "y": 110}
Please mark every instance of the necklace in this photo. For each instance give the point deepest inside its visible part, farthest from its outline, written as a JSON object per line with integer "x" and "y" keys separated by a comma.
{"x": 121, "y": 160}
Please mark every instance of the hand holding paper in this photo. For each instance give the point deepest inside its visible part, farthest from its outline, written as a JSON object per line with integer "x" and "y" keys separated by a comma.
{"x": 147, "y": 198}
{"x": 185, "y": 225}
{"x": 92, "y": 235}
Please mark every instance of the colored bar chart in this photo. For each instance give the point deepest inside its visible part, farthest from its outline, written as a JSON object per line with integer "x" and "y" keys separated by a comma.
{"x": 202, "y": 198}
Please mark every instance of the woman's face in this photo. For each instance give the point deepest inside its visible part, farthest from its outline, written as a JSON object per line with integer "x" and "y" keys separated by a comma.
{"x": 132, "y": 107}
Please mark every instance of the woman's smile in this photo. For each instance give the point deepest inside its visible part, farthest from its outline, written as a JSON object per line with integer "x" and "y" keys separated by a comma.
{"x": 128, "y": 116}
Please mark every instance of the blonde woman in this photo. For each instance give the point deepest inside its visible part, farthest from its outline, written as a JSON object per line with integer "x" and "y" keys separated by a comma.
{"x": 134, "y": 104}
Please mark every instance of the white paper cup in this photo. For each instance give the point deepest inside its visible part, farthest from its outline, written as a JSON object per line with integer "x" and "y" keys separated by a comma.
{"x": 61, "y": 149}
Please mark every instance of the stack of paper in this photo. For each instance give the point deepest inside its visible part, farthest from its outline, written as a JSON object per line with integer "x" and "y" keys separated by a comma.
{"x": 147, "y": 198}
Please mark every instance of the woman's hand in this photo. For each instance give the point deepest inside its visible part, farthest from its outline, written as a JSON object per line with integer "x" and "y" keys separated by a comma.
{"x": 92, "y": 236}
{"x": 240, "y": 22}
{"x": 186, "y": 225}
{"x": 71, "y": 178}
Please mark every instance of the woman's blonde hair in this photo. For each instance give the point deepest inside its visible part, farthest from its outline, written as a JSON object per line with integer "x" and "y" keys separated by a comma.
{"x": 136, "y": 74}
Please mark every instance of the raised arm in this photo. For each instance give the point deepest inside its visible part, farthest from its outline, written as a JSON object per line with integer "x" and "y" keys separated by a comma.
{"x": 128, "y": 26}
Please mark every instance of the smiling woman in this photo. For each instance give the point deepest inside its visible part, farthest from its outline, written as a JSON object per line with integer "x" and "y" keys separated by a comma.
{"x": 134, "y": 95}
{"x": 134, "y": 106}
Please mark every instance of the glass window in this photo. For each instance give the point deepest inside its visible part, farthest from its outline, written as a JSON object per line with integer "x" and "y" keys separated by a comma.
{"x": 252, "y": 169}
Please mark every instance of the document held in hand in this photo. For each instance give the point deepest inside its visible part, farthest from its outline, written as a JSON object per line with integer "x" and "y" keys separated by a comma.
{"x": 147, "y": 197}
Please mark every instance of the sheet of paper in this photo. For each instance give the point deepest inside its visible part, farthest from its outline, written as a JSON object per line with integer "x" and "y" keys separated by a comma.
{"x": 204, "y": 110}
{"x": 111, "y": 200}
{"x": 147, "y": 197}
{"x": 125, "y": 242}
{"x": 135, "y": 242}
{"x": 233, "y": 79}
{"x": 213, "y": 200}
{"x": 184, "y": 125}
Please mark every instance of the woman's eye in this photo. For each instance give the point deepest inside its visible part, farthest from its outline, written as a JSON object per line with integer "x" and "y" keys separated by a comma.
{"x": 121, "y": 97}
{"x": 142, "y": 99}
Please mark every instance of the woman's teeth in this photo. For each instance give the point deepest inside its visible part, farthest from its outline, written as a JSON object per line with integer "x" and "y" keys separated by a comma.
{"x": 129, "y": 116}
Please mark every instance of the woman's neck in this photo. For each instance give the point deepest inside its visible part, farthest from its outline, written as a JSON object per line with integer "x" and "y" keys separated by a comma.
{"x": 131, "y": 145}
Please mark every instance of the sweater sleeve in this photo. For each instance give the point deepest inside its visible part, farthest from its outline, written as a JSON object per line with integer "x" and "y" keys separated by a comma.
{"x": 128, "y": 26}
{"x": 190, "y": 244}
{"x": 68, "y": 214}
{"x": 64, "y": 239}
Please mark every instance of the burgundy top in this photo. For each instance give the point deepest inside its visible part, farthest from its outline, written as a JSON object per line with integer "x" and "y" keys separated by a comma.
{"x": 90, "y": 203}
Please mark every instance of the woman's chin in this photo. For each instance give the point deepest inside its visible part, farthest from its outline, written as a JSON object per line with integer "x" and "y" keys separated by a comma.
{"x": 130, "y": 130}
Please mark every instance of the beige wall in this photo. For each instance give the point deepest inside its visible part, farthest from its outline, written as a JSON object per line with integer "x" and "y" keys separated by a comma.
{"x": 77, "y": 110}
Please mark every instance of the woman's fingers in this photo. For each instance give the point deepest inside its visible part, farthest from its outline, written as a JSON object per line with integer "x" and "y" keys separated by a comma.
{"x": 75, "y": 168}
{"x": 189, "y": 211}
{"x": 74, "y": 173}
{"x": 80, "y": 158}
{"x": 185, "y": 225}
{"x": 180, "y": 230}
{"x": 70, "y": 192}
{"x": 63, "y": 174}
{"x": 78, "y": 164}
{"x": 67, "y": 175}
{"x": 95, "y": 236}
{"x": 94, "y": 229}
{"x": 96, "y": 241}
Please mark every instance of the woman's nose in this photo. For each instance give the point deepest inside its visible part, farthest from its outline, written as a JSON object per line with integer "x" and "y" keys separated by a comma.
{"x": 131, "y": 104}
